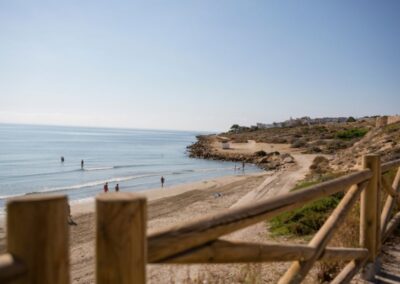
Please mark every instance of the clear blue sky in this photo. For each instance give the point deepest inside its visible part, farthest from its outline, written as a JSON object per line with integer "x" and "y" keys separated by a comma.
{"x": 200, "y": 65}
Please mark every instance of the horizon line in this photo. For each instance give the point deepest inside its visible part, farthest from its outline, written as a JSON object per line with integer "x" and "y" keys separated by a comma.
{"x": 105, "y": 127}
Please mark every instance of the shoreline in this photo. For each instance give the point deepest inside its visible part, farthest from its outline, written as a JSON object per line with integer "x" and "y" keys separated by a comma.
{"x": 87, "y": 205}
{"x": 178, "y": 204}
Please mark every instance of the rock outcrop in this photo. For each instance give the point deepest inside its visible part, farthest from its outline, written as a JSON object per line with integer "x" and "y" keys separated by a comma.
{"x": 268, "y": 161}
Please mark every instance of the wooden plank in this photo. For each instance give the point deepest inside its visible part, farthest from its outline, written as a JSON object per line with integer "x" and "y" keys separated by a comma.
{"x": 10, "y": 268}
{"x": 390, "y": 165}
{"x": 299, "y": 269}
{"x": 332, "y": 253}
{"x": 389, "y": 204}
{"x": 121, "y": 238}
{"x": 177, "y": 239}
{"x": 390, "y": 190}
{"x": 370, "y": 235}
{"x": 369, "y": 208}
{"x": 37, "y": 234}
{"x": 392, "y": 225}
{"x": 222, "y": 251}
{"x": 348, "y": 272}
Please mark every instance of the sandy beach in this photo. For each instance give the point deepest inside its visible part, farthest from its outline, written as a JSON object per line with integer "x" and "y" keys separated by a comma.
{"x": 178, "y": 204}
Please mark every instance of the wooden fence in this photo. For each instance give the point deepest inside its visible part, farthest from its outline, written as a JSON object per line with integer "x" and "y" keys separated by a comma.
{"x": 37, "y": 233}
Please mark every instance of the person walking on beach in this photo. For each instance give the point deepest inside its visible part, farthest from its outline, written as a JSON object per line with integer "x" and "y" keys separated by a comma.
{"x": 106, "y": 187}
{"x": 162, "y": 181}
{"x": 82, "y": 164}
{"x": 117, "y": 188}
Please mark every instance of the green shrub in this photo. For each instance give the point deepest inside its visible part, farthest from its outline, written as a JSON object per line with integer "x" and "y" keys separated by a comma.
{"x": 305, "y": 220}
{"x": 335, "y": 145}
{"x": 318, "y": 179}
{"x": 351, "y": 133}
{"x": 298, "y": 143}
{"x": 392, "y": 128}
{"x": 309, "y": 218}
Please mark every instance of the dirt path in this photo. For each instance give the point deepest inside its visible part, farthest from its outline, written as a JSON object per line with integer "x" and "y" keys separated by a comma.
{"x": 280, "y": 182}
{"x": 274, "y": 183}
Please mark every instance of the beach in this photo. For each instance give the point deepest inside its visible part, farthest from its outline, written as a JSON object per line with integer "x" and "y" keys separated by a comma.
{"x": 183, "y": 203}
{"x": 166, "y": 207}
{"x": 174, "y": 205}
{"x": 178, "y": 204}
{"x": 30, "y": 160}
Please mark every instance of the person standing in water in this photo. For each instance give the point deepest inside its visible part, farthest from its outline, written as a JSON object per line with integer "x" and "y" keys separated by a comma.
{"x": 62, "y": 159}
{"x": 117, "y": 188}
{"x": 162, "y": 181}
{"x": 82, "y": 164}
{"x": 105, "y": 187}
{"x": 243, "y": 164}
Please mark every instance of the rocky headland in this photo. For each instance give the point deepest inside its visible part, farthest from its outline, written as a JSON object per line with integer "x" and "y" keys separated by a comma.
{"x": 207, "y": 147}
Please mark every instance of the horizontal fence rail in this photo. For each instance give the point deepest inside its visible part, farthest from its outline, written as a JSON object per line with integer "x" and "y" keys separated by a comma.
{"x": 222, "y": 251}
{"x": 180, "y": 238}
{"x": 38, "y": 249}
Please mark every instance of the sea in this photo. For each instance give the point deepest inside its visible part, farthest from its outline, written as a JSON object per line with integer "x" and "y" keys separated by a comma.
{"x": 30, "y": 160}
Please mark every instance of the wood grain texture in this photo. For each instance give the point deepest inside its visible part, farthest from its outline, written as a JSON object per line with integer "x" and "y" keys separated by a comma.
{"x": 37, "y": 234}
{"x": 346, "y": 275}
{"x": 222, "y": 251}
{"x": 390, "y": 165}
{"x": 369, "y": 209}
{"x": 121, "y": 238}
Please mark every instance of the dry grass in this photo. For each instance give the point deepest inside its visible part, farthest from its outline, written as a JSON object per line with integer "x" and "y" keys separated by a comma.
{"x": 347, "y": 235}
{"x": 210, "y": 274}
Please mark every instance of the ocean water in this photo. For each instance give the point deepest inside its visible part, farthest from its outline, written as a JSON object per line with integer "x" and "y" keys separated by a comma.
{"x": 136, "y": 159}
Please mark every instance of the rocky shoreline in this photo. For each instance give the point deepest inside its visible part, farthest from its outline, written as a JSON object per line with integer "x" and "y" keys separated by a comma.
{"x": 204, "y": 149}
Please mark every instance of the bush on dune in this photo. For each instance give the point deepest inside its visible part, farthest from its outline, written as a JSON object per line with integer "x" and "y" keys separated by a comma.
{"x": 351, "y": 133}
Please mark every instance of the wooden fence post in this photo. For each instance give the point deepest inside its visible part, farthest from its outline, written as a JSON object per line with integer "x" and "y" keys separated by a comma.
{"x": 121, "y": 248}
{"x": 37, "y": 234}
{"x": 370, "y": 236}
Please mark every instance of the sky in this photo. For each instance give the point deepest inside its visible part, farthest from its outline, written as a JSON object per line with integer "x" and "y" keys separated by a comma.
{"x": 196, "y": 65}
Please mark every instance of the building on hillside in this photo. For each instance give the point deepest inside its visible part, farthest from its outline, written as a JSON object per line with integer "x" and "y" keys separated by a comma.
{"x": 393, "y": 119}
{"x": 385, "y": 120}
{"x": 303, "y": 121}
{"x": 264, "y": 125}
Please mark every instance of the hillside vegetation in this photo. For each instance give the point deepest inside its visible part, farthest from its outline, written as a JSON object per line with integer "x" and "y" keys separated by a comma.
{"x": 325, "y": 138}
{"x": 341, "y": 147}
{"x": 384, "y": 141}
